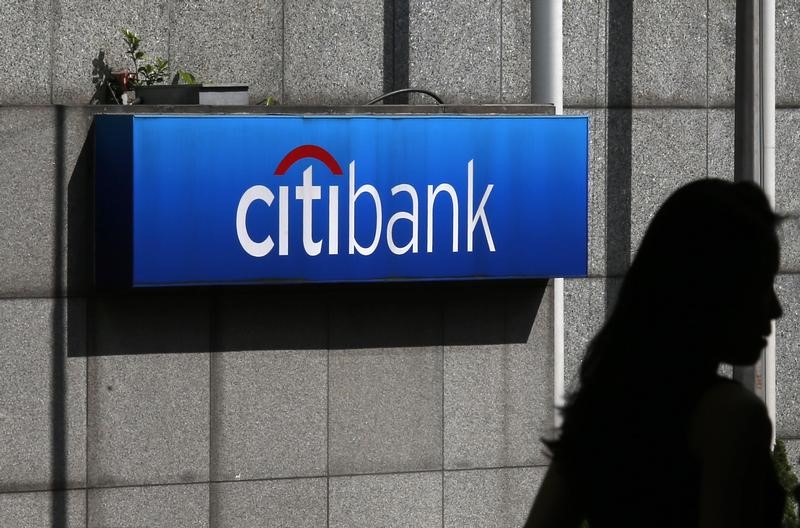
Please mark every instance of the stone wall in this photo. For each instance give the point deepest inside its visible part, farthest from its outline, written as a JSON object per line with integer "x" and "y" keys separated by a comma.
{"x": 338, "y": 406}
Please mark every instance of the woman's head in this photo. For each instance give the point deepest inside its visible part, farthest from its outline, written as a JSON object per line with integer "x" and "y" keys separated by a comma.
{"x": 704, "y": 272}
{"x": 699, "y": 292}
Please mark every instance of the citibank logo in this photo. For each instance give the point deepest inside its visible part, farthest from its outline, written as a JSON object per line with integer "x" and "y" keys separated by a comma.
{"x": 307, "y": 193}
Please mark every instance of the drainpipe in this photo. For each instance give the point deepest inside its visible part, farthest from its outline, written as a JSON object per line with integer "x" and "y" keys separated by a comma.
{"x": 754, "y": 151}
{"x": 768, "y": 170}
{"x": 547, "y": 88}
{"x": 546, "y": 54}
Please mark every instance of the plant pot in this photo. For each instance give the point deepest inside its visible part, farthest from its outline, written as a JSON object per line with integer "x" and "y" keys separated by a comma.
{"x": 172, "y": 94}
{"x": 224, "y": 94}
{"x": 124, "y": 79}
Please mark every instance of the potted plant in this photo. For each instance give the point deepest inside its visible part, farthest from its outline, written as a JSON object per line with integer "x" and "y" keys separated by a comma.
{"x": 144, "y": 82}
{"x": 148, "y": 75}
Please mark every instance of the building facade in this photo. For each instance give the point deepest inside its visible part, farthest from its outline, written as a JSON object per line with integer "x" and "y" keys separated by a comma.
{"x": 343, "y": 406}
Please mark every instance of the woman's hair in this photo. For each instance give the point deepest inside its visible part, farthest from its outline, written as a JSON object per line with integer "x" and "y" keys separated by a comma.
{"x": 645, "y": 369}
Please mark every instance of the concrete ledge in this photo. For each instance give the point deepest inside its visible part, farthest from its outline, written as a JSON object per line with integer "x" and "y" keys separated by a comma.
{"x": 381, "y": 109}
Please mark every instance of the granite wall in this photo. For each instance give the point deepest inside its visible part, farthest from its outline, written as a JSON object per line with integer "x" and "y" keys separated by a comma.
{"x": 334, "y": 406}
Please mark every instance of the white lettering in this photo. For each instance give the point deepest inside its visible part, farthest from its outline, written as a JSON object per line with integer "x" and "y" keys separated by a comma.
{"x": 444, "y": 187}
{"x": 354, "y": 194}
{"x": 412, "y": 217}
{"x": 307, "y": 193}
{"x": 283, "y": 220}
{"x": 472, "y": 218}
{"x": 333, "y": 220}
{"x": 255, "y": 249}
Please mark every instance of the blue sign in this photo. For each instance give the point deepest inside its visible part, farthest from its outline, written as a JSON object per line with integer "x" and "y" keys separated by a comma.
{"x": 194, "y": 200}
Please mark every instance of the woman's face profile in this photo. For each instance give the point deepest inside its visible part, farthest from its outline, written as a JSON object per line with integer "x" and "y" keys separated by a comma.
{"x": 705, "y": 271}
{"x": 746, "y": 321}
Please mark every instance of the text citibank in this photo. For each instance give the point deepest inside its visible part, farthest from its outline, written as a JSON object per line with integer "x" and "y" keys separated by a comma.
{"x": 307, "y": 193}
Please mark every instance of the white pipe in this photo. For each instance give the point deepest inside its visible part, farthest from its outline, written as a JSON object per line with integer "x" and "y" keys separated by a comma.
{"x": 770, "y": 388}
{"x": 558, "y": 348}
{"x": 767, "y": 79}
{"x": 546, "y": 53}
{"x": 547, "y": 88}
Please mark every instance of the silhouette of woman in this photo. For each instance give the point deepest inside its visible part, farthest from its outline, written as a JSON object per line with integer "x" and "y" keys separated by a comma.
{"x": 653, "y": 437}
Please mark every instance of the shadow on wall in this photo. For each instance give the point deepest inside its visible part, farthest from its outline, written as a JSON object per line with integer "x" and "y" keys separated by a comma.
{"x": 306, "y": 317}
{"x": 102, "y": 78}
{"x": 619, "y": 144}
{"x": 283, "y": 317}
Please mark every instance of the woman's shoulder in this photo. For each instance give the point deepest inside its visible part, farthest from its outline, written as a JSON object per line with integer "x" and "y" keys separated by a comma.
{"x": 727, "y": 414}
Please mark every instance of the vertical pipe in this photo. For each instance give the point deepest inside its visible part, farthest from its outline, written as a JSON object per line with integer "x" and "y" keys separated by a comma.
{"x": 747, "y": 133}
{"x": 558, "y": 348}
{"x": 547, "y": 88}
{"x": 754, "y": 151}
{"x": 767, "y": 20}
{"x": 747, "y": 162}
{"x": 546, "y": 53}
{"x": 767, "y": 81}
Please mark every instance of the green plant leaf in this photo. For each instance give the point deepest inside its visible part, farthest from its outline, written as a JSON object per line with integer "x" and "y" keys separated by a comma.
{"x": 789, "y": 481}
{"x": 131, "y": 38}
{"x": 148, "y": 70}
{"x": 187, "y": 77}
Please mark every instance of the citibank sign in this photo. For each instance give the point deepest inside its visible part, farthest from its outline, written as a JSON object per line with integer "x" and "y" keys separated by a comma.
{"x": 189, "y": 200}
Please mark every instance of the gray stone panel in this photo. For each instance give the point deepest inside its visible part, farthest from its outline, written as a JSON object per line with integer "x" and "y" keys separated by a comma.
{"x": 149, "y": 324}
{"x": 787, "y": 160}
{"x": 455, "y": 49}
{"x": 290, "y": 503}
{"x": 584, "y": 315}
{"x": 43, "y": 415}
{"x": 65, "y": 509}
{"x": 516, "y": 51}
{"x": 26, "y": 44}
{"x": 789, "y": 236}
{"x": 230, "y": 42}
{"x": 787, "y": 51}
{"x": 597, "y": 188}
{"x": 148, "y": 419}
{"x": 269, "y": 405}
{"x": 86, "y": 28}
{"x": 660, "y": 149}
{"x": 333, "y": 52}
{"x": 617, "y": 189}
{"x": 271, "y": 320}
{"x": 787, "y": 186}
{"x": 151, "y": 506}
{"x": 669, "y": 53}
{"x": 498, "y": 392}
{"x": 77, "y": 173}
{"x": 270, "y": 414}
{"x": 669, "y": 150}
{"x": 721, "y": 53}
{"x": 27, "y": 201}
{"x": 412, "y": 500}
{"x": 45, "y": 163}
{"x": 787, "y": 343}
{"x": 720, "y": 144}
{"x": 585, "y": 51}
{"x": 490, "y": 498}
{"x": 385, "y": 409}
